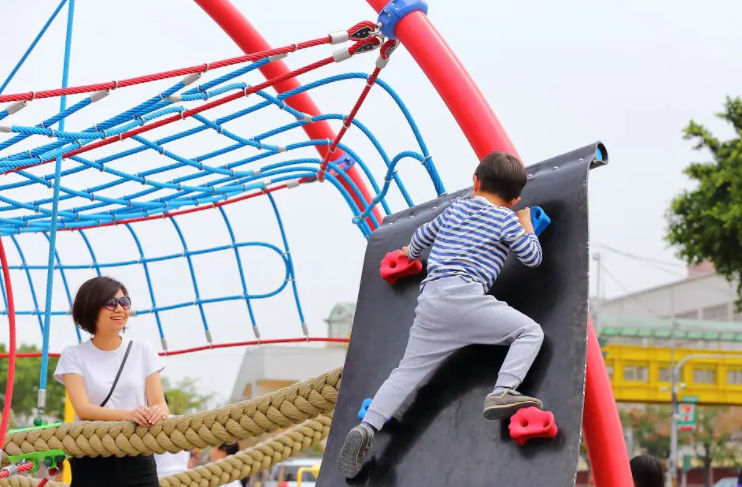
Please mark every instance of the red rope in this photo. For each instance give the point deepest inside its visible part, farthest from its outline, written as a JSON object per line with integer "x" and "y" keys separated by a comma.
{"x": 12, "y": 351}
{"x": 386, "y": 51}
{"x": 22, "y": 468}
{"x": 356, "y": 33}
{"x": 76, "y": 90}
{"x": 218, "y": 345}
{"x": 202, "y": 108}
{"x": 171, "y": 214}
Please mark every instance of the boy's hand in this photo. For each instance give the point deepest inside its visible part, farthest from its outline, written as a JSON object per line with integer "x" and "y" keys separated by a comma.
{"x": 524, "y": 216}
{"x": 405, "y": 252}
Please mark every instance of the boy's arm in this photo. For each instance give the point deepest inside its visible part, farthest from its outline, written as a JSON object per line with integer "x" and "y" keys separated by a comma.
{"x": 522, "y": 240}
{"x": 424, "y": 237}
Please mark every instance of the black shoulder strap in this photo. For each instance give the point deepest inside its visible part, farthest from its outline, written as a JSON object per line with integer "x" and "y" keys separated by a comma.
{"x": 115, "y": 381}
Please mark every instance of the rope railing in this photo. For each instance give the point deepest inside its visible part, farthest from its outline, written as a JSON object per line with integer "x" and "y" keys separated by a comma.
{"x": 253, "y": 417}
{"x": 243, "y": 464}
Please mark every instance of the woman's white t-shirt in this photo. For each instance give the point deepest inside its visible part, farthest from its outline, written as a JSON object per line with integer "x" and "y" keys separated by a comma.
{"x": 98, "y": 369}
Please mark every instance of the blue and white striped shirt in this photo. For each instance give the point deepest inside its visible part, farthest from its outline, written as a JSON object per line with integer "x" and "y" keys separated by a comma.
{"x": 471, "y": 239}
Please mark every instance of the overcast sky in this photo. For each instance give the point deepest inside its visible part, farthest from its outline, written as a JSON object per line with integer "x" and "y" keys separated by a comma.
{"x": 559, "y": 75}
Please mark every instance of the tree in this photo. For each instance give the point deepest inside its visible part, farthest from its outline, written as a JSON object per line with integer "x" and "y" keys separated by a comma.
{"x": 26, "y": 384}
{"x": 706, "y": 223}
{"x": 651, "y": 429}
{"x": 710, "y": 440}
{"x": 183, "y": 398}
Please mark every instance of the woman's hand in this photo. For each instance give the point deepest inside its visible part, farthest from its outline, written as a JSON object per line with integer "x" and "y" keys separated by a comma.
{"x": 140, "y": 416}
{"x": 156, "y": 413}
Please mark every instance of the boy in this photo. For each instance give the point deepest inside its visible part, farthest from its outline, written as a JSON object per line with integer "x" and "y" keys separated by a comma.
{"x": 470, "y": 241}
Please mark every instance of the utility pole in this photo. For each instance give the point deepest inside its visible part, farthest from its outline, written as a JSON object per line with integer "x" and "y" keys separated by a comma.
{"x": 673, "y": 397}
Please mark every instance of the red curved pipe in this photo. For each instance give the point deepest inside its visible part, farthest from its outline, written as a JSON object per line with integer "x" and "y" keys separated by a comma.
{"x": 236, "y": 26}
{"x": 12, "y": 348}
{"x": 603, "y": 432}
{"x": 453, "y": 83}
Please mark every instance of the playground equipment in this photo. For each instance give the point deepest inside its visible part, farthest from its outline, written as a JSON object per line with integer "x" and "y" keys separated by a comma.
{"x": 209, "y": 181}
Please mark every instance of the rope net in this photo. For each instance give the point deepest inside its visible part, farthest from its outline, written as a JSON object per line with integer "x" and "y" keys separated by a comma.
{"x": 126, "y": 173}
{"x": 132, "y": 168}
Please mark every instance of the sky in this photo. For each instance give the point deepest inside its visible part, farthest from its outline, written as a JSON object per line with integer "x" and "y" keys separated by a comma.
{"x": 559, "y": 75}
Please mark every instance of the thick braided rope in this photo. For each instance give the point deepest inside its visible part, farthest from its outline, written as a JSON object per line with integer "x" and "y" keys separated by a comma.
{"x": 280, "y": 409}
{"x": 256, "y": 459}
{"x": 235, "y": 467}
{"x": 23, "y": 481}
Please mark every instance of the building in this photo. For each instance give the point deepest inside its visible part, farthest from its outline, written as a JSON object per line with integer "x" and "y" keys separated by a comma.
{"x": 267, "y": 369}
{"x": 644, "y": 333}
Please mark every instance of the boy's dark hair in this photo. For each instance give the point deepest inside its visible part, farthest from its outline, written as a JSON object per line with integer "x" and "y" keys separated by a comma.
{"x": 501, "y": 174}
{"x": 90, "y": 298}
{"x": 647, "y": 471}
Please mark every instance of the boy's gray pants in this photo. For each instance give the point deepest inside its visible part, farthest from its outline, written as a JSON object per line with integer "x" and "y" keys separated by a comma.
{"x": 453, "y": 313}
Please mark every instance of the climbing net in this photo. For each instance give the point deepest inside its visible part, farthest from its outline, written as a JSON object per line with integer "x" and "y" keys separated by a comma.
{"x": 192, "y": 146}
{"x": 185, "y": 184}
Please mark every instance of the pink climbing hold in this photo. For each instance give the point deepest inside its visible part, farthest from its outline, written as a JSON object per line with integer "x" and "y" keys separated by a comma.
{"x": 395, "y": 266}
{"x": 530, "y": 423}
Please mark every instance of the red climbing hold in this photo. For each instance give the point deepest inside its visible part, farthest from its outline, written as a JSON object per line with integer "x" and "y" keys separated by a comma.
{"x": 395, "y": 266}
{"x": 530, "y": 423}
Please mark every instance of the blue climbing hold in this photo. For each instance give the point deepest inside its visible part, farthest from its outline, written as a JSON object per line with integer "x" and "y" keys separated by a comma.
{"x": 540, "y": 219}
{"x": 364, "y": 408}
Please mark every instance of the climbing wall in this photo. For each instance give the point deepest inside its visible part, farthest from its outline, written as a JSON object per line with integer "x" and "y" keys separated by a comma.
{"x": 439, "y": 437}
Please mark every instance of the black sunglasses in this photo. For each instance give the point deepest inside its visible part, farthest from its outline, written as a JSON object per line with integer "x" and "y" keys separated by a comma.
{"x": 124, "y": 301}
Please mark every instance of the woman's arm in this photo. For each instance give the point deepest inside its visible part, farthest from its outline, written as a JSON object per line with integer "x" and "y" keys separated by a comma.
{"x": 158, "y": 408}
{"x": 90, "y": 412}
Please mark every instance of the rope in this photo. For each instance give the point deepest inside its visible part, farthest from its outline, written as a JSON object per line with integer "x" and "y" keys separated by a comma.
{"x": 32, "y": 46}
{"x": 202, "y": 68}
{"x": 243, "y": 464}
{"x": 43, "y": 372}
{"x": 256, "y": 459}
{"x": 253, "y": 417}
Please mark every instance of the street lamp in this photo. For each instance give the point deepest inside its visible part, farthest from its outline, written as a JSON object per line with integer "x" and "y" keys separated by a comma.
{"x": 674, "y": 406}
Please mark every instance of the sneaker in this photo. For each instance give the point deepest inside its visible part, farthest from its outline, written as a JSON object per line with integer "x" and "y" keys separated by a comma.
{"x": 354, "y": 451}
{"x": 504, "y": 404}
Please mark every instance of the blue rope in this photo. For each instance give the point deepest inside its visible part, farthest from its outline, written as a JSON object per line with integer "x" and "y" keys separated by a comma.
{"x": 55, "y": 208}
{"x": 32, "y": 46}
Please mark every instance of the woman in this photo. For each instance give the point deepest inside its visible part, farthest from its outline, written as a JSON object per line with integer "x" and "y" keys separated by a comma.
{"x": 110, "y": 378}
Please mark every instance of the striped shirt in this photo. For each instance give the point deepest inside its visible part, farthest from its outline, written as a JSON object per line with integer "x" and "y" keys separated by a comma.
{"x": 471, "y": 239}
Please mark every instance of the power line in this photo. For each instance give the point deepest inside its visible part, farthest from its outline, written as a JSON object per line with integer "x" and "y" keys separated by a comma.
{"x": 639, "y": 257}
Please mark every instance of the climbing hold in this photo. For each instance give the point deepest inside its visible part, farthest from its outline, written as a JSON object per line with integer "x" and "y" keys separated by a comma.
{"x": 530, "y": 423}
{"x": 364, "y": 408}
{"x": 539, "y": 219}
{"x": 395, "y": 266}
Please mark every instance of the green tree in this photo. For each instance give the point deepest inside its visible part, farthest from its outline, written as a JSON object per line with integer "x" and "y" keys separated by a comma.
{"x": 26, "y": 384}
{"x": 650, "y": 429}
{"x": 183, "y": 398}
{"x": 710, "y": 440}
{"x": 706, "y": 223}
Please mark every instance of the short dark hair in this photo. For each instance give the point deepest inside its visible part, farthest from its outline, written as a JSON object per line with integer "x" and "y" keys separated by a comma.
{"x": 502, "y": 174}
{"x": 647, "y": 471}
{"x": 90, "y": 298}
{"x": 230, "y": 449}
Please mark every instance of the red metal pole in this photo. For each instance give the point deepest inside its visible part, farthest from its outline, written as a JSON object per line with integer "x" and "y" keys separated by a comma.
{"x": 249, "y": 40}
{"x": 603, "y": 431}
{"x": 457, "y": 89}
{"x": 606, "y": 449}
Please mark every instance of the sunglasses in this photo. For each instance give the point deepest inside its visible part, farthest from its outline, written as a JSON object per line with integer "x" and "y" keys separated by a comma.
{"x": 112, "y": 304}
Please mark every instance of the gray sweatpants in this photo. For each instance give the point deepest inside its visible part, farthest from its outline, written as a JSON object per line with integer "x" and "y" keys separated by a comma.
{"x": 452, "y": 313}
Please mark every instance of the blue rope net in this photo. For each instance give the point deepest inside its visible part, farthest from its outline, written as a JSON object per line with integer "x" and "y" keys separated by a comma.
{"x": 101, "y": 188}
